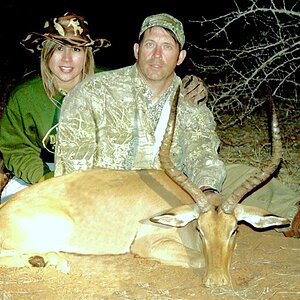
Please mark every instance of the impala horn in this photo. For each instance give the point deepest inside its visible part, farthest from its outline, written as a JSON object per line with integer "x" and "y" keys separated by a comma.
{"x": 164, "y": 156}
{"x": 264, "y": 174}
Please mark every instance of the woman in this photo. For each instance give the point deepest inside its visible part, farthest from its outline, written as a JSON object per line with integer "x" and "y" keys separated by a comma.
{"x": 28, "y": 125}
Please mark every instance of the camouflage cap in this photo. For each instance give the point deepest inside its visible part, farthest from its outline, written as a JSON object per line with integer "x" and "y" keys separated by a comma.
{"x": 165, "y": 21}
{"x": 69, "y": 29}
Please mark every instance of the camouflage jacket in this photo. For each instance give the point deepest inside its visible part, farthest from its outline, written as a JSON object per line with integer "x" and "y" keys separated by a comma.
{"x": 108, "y": 121}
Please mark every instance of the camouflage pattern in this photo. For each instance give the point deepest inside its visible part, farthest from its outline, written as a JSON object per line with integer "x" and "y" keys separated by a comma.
{"x": 165, "y": 21}
{"x": 70, "y": 29}
{"x": 275, "y": 196}
{"x": 108, "y": 121}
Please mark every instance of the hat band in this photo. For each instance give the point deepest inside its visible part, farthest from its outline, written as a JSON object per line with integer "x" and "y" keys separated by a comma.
{"x": 79, "y": 42}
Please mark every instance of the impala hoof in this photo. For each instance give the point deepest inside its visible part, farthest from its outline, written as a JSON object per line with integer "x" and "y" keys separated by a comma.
{"x": 37, "y": 261}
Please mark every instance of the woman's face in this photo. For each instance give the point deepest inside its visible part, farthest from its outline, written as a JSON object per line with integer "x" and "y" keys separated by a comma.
{"x": 66, "y": 64}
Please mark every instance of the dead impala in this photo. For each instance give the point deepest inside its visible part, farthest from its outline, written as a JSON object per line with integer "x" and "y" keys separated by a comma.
{"x": 103, "y": 211}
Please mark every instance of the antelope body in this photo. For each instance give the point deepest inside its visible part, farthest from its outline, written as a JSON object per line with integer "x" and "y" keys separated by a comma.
{"x": 104, "y": 211}
{"x": 101, "y": 218}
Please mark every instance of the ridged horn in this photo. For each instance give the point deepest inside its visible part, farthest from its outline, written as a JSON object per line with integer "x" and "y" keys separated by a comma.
{"x": 164, "y": 156}
{"x": 260, "y": 177}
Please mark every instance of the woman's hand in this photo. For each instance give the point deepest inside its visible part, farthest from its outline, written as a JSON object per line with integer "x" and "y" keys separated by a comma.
{"x": 194, "y": 89}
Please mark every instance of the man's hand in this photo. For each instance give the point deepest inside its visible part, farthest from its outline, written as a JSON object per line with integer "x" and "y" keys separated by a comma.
{"x": 194, "y": 89}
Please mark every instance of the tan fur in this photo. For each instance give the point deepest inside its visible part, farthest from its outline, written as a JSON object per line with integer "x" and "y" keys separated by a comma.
{"x": 99, "y": 212}
{"x": 104, "y": 211}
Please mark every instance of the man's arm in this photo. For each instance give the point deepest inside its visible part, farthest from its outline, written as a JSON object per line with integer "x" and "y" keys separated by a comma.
{"x": 76, "y": 138}
{"x": 197, "y": 140}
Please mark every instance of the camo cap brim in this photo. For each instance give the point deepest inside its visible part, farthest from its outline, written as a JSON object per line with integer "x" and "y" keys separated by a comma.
{"x": 166, "y": 21}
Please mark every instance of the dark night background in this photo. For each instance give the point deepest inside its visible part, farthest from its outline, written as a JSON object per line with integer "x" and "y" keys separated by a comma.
{"x": 118, "y": 21}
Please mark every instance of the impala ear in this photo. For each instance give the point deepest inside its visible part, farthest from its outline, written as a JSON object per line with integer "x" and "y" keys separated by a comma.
{"x": 258, "y": 217}
{"x": 178, "y": 216}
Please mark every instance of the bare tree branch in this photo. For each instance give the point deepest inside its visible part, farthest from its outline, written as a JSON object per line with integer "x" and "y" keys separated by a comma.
{"x": 251, "y": 49}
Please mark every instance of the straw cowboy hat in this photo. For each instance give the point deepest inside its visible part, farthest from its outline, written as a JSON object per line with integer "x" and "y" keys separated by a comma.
{"x": 70, "y": 30}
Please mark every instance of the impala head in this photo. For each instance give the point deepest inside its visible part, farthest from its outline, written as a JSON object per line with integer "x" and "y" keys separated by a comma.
{"x": 218, "y": 233}
{"x": 217, "y": 217}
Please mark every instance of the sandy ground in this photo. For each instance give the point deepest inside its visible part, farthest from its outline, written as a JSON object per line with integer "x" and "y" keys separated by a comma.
{"x": 265, "y": 265}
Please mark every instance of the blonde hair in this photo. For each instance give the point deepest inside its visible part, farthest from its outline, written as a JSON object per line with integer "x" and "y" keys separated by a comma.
{"x": 47, "y": 76}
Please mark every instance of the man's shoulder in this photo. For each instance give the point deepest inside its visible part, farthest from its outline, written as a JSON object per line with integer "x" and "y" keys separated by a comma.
{"x": 113, "y": 72}
{"x": 111, "y": 77}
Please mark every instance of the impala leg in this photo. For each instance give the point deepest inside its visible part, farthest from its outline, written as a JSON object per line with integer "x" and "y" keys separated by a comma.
{"x": 168, "y": 251}
{"x": 51, "y": 258}
{"x": 59, "y": 262}
{"x": 16, "y": 260}
{"x": 35, "y": 260}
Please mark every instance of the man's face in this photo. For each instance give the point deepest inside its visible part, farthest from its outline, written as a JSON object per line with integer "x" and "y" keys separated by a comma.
{"x": 158, "y": 54}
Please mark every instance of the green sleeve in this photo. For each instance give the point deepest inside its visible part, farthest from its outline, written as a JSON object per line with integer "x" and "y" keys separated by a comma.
{"x": 20, "y": 137}
{"x": 101, "y": 69}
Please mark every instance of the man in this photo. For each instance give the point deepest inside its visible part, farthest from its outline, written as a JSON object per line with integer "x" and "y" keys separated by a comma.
{"x": 117, "y": 119}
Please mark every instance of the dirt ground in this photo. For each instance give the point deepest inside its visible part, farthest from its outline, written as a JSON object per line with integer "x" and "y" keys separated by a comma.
{"x": 265, "y": 265}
